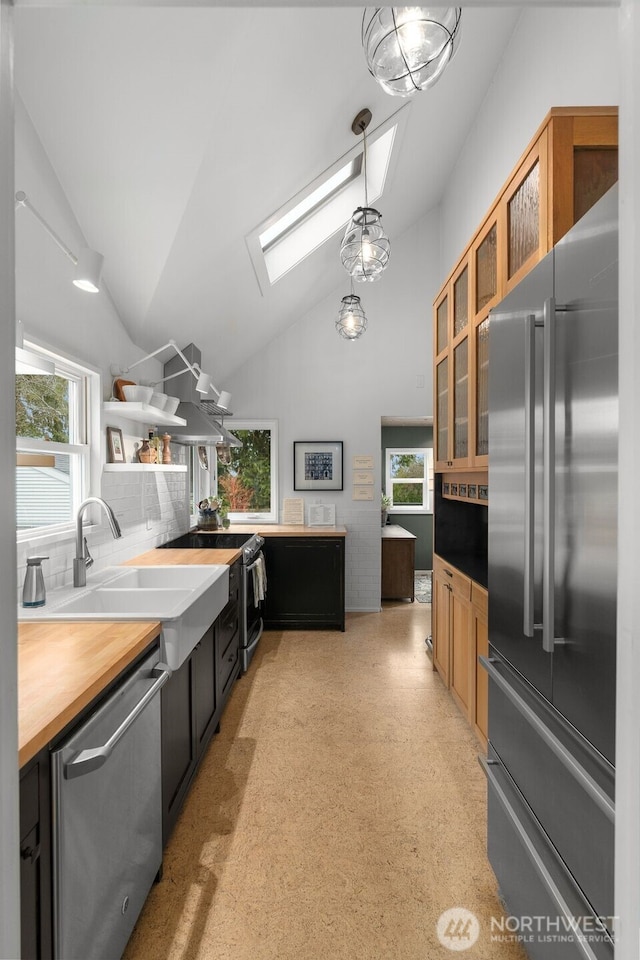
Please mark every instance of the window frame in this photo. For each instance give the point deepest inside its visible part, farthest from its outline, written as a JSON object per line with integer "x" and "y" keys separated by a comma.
{"x": 84, "y": 429}
{"x": 426, "y": 481}
{"x": 265, "y": 516}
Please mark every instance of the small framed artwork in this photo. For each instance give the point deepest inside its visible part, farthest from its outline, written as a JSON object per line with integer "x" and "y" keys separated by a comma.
{"x": 317, "y": 465}
{"x": 115, "y": 445}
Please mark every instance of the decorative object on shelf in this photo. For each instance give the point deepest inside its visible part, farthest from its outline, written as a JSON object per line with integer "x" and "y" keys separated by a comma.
{"x": 365, "y": 248}
{"x": 166, "y": 448}
{"x": 208, "y": 516}
{"x": 408, "y": 48}
{"x": 351, "y": 321}
{"x": 147, "y": 452}
{"x": 385, "y": 504}
{"x": 88, "y": 263}
{"x": 136, "y": 394}
{"x": 115, "y": 445}
{"x": 317, "y": 465}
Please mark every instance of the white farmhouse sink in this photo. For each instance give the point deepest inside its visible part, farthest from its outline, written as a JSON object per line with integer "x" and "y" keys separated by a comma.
{"x": 186, "y": 599}
{"x": 153, "y": 604}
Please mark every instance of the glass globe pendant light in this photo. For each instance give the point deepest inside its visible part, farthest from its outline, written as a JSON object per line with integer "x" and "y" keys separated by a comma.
{"x": 351, "y": 322}
{"x": 365, "y": 248}
{"x": 408, "y": 48}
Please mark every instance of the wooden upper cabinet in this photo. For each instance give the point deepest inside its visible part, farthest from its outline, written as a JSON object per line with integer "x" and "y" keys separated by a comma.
{"x": 452, "y": 326}
{"x": 523, "y": 211}
{"x": 570, "y": 163}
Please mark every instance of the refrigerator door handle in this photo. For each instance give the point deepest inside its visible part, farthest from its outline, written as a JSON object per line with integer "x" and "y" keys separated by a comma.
{"x": 576, "y": 769}
{"x": 529, "y": 471}
{"x": 549, "y": 477}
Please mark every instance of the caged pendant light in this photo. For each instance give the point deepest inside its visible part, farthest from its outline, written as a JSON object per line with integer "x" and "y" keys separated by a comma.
{"x": 351, "y": 321}
{"x": 408, "y": 48}
{"x": 365, "y": 247}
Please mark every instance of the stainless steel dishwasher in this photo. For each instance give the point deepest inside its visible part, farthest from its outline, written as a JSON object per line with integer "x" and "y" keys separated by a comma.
{"x": 107, "y": 818}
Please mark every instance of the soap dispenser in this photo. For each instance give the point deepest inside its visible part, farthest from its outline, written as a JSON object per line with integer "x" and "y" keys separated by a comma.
{"x": 33, "y": 591}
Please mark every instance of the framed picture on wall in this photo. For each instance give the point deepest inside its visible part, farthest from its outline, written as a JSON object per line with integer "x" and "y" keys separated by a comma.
{"x": 115, "y": 445}
{"x": 317, "y": 465}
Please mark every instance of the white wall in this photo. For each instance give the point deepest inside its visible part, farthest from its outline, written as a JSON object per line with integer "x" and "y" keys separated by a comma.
{"x": 556, "y": 58}
{"x": 321, "y": 387}
{"x": 150, "y": 507}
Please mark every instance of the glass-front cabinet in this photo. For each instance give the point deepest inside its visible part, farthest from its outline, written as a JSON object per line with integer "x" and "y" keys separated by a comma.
{"x": 452, "y": 380}
{"x": 565, "y": 169}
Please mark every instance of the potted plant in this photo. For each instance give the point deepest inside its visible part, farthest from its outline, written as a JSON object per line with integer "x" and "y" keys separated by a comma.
{"x": 385, "y": 503}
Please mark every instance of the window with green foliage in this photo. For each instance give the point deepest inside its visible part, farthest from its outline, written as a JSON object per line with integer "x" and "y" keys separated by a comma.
{"x": 52, "y": 444}
{"x": 408, "y": 475}
{"x": 247, "y": 485}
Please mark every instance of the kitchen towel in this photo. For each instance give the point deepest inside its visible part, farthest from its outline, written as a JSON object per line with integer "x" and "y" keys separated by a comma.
{"x": 259, "y": 573}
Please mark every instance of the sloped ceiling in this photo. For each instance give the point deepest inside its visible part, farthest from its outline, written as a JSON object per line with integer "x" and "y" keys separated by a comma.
{"x": 175, "y": 132}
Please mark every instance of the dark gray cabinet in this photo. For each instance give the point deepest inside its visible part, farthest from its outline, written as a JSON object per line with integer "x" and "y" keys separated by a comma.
{"x": 35, "y": 859}
{"x": 305, "y": 583}
{"x": 193, "y": 701}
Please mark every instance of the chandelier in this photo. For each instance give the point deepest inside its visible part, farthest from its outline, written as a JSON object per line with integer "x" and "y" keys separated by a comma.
{"x": 408, "y": 48}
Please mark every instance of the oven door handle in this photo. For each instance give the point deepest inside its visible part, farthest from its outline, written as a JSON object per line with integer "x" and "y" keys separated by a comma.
{"x": 250, "y": 566}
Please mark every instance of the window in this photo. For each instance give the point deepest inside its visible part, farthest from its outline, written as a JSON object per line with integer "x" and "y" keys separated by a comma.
{"x": 52, "y": 444}
{"x": 409, "y": 479}
{"x": 323, "y": 207}
{"x": 247, "y": 485}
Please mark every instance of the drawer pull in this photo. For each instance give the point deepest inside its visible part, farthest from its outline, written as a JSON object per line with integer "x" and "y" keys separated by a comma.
{"x": 448, "y": 573}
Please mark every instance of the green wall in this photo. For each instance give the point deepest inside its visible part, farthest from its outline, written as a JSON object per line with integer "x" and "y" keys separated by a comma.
{"x": 420, "y": 524}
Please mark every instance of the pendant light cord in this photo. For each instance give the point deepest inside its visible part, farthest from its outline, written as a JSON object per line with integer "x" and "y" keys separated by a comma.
{"x": 364, "y": 160}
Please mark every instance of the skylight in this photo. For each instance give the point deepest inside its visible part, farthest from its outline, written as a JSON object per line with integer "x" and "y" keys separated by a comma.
{"x": 330, "y": 187}
{"x": 323, "y": 208}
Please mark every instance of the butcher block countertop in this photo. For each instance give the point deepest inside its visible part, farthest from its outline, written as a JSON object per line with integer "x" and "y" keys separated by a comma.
{"x": 159, "y": 558}
{"x": 62, "y": 667}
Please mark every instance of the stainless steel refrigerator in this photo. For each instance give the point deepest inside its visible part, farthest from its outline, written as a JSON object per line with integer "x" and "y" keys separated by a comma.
{"x": 553, "y": 428}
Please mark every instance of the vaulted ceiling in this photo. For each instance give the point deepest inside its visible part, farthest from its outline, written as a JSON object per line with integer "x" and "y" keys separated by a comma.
{"x": 175, "y": 132}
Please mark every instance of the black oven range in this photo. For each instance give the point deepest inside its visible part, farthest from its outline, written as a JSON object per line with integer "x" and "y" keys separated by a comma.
{"x": 251, "y": 624}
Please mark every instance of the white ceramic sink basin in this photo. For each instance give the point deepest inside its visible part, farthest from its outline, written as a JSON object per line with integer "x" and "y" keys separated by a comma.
{"x": 186, "y": 599}
{"x": 173, "y": 577}
{"x": 152, "y": 604}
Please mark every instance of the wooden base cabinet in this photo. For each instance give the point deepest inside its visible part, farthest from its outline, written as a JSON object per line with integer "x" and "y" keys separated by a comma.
{"x": 459, "y": 636}
{"x": 192, "y": 704}
{"x": 398, "y": 563}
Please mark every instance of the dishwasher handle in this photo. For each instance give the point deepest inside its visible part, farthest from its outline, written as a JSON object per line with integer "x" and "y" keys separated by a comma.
{"x": 89, "y": 760}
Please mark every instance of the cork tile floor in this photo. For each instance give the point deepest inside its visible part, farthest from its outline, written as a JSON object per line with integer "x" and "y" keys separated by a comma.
{"x": 338, "y": 814}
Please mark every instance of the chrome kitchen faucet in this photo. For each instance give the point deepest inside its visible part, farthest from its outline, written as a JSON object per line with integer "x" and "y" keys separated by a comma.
{"x": 83, "y": 558}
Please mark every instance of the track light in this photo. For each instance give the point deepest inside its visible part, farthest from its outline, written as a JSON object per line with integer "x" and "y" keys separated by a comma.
{"x": 88, "y": 263}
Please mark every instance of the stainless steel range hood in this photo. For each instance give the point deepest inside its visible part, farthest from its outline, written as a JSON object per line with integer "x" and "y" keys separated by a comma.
{"x": 203, "y": 416}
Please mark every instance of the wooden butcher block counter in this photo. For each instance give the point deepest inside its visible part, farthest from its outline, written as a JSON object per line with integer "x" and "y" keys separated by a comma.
{"x": 159, "y": 558}
{"x": 62, "y": 667}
